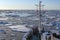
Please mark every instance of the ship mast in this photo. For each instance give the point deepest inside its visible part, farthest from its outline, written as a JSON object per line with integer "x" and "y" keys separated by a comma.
{"x": 39, "y": 12}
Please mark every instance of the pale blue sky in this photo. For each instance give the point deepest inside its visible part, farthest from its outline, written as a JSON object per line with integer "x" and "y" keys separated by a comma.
{"x": 29, "y": 4}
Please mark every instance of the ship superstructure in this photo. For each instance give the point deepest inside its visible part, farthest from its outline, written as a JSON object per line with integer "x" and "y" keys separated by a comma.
{"x": 47, "y": 29}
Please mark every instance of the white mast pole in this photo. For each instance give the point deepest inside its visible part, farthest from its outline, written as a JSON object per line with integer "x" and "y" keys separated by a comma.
{"x": 40, "y": 15}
